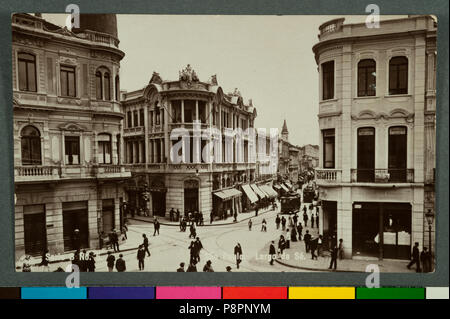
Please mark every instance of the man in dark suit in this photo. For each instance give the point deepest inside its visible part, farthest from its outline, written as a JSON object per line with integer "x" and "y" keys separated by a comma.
{"x": 120, "y": 264}
{"x": 141, "y": 257}
{"x": 334, "y": 255}
{"x": 415, "y": 257}
{"x": 145, "y": 243}
{"x": 307, "y": 239}
{"x": 272, "y": 252}
{"x": 238, "y": 254}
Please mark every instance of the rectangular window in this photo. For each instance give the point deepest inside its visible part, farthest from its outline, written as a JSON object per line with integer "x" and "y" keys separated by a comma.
{"x": 135, "y": 118}
{"x": 141, "y": 117}
{"x": 72, "y": 150}
{"x": 68, "y": 81}
{"x": 397, "y": 151}
{"x": 366, "y": 77}
{"x": 328, "y": 148}
{"x": 328, "y": 80}
{"x": 398, "y": 75}
{"x": 27, "y": 72}
{"x": 129, "y": 123}
{"x": 104, "y": 145}
{"x": 366, "y": 154}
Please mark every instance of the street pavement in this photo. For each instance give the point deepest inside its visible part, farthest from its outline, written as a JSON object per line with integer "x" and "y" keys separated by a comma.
{"x": 170, "y": 248}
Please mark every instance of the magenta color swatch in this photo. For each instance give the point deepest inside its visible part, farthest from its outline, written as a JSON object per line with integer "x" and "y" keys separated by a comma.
{"x": 188, "y": 292}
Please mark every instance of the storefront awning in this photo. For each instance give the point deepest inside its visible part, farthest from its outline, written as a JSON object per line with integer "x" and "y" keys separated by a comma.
{"x": 269, "y": 191}
{"x": 288, "y": 184}
{"x": 259, "y": 192}
{"x": 228, "y": 193}
{"x": 284, "y": 188}
{"x": 250, "y": 194}
{"x": 276, "y": 186}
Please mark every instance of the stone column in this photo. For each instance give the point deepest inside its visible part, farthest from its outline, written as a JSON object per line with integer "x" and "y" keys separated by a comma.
{"x": 146, "y": 140}
{"x": 344, "y": 220}
{"x": 345, "y": 90}
{"x": 196, "y": 110}
{"x": 182, "y": 111}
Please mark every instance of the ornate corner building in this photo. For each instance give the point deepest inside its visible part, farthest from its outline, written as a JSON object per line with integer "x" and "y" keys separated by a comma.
{"x": 165, "y": 176}
{"x": 377, "y": 123}
{"x": 68, "y": 166}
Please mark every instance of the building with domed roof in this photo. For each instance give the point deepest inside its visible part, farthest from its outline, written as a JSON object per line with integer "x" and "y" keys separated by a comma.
{"x": 68, "y": 165}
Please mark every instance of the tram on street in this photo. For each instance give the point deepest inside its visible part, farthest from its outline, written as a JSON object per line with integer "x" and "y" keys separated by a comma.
{"x": 290, "y": 203}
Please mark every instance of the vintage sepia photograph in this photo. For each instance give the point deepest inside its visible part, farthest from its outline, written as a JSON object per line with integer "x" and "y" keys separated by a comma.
{"x": 224, "y": 143}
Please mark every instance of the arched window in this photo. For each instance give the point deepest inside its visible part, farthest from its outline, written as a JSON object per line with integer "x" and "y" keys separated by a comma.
{"x": 98, "y": 85}
{"x": 106, "y": 79}
{"x": 398, "y": 75}
{"x": 31, "y": 146}
{"x": 366, "y": 77}
{"x": 27, "y": 72}
{"x": 104, "y": 149}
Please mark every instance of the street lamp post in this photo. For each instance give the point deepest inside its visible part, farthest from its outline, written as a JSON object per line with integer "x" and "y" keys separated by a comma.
{"x": 430, "y": 218}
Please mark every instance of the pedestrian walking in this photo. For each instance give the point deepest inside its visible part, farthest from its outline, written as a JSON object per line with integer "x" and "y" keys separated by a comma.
{"x": 415, "y": 258}
{"x": 425, "y": 259}
{"x": 300, "y": 231}
{"x": 250, "y": 223}
{"x": 283, "y": 223}
{"x": 256, "y": 211}
{"x": 334, "y": 256}
{"x": 115, "y": 240}
{"x": 293, "y": 234}
{"x": 198, "y": 247}
{"x": 281, "y": 245}
{"x": 120, "y": 264}
{"x": 172, "y": 214}
{"x": 145, "y": 244}
{"x": 238, "y": 254}
{"x": 272, "y": 252}
{"x": 264, "y": 225}
{"x": 124, "y": 230}
{"x": 91, "y": 262}
{"x": 192, "y": 231}
{"x": 156, "y": 225}
{"x": 307, "y": 239}
{"x": 313, "y": 247}
{"x": 341, "y": 249}
{"x": 110, "y": 261}
{"x": 305, "y": 216}
{"x": 319, "y": 245}
{"x": 208, "y": 267}
{"x": 76, "y": 239}
{"x": 277, "y": 221}
{"x": 45, "y": 261}
{"x": 295, "y": 219}
{"x": 288, "y": 239}
{"x": 312, "y": 220}
{"x": 141, "y": 257}
{"x": 181, "y": 268}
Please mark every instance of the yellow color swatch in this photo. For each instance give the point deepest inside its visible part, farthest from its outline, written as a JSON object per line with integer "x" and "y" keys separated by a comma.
{"x": 321, "y": 293}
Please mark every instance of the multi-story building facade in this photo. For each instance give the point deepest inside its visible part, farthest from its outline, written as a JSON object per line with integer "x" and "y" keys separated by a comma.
{"x": 161, "y": 126}
{"x": 377, "y": 125}
{"x": 288, "y": 162}
{"x": 309, "y": 157}
{"x": 67, "y": 123}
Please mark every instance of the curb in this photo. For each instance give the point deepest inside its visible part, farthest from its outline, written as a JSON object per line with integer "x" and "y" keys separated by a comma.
{"x": 204, "y": 225}
{"x": 316, "y": 269}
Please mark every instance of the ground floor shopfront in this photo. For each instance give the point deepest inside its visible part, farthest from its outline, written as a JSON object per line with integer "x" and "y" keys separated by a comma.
{"x": 47, "y": 215}
{"x": 379, "y": 223}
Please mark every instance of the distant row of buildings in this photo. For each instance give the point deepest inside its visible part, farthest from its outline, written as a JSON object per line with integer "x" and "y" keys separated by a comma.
{"x": 296, "y": 163}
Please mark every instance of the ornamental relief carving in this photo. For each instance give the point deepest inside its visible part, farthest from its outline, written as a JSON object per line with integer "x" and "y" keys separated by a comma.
{"x": 28, "y": 41}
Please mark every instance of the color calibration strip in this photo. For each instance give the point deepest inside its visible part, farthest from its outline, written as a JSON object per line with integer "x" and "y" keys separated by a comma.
{"x": 223, "y": 293}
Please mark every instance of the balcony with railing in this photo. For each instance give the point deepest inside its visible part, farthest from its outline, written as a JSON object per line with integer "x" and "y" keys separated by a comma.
{"x": 36, "y": 173}
{"x": 328, "y": 176}
{"x": 131, "y": 131}
{"x": 111, "y": 171}
{"x": 391, "y": 175}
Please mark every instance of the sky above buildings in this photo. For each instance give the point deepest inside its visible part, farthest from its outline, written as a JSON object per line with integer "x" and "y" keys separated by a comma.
{"x": 268, "y": 58}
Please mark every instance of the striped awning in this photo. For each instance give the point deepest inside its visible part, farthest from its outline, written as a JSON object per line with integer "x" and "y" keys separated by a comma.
{"x": 250, "y": 194}
{"x": 269, "y": 190}
{"x": 228, "y": 193}
{"x": 259, "y": 192}
{"x": 284, "y": 188}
